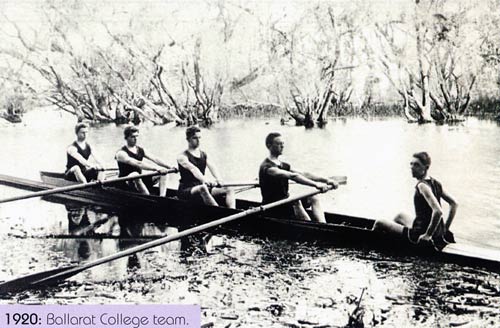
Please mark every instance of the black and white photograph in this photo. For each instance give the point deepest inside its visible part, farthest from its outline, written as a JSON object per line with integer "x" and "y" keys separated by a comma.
{"x": 269, "y": 163}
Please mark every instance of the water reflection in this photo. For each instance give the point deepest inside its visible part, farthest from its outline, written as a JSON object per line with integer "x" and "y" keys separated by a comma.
{"x": 78, "y": 220}
{"x": 93, "y": 233}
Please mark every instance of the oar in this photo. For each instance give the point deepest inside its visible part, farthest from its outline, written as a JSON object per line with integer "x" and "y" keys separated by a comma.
{"x": 106, "y": 169}
{"x": 54, "y": 275}
{"x": 85, "y": 185}
{"x": 91, "y": 227}
{"x": 339, "y": 179}
{"x": 237, "y": 191}
{"x": 238, "y": 184}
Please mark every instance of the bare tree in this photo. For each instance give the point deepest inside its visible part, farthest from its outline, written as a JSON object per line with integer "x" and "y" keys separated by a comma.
{"x": 327, "y": 87}
{"x": 438, "y": 85}
{"x": 322, "y": 60}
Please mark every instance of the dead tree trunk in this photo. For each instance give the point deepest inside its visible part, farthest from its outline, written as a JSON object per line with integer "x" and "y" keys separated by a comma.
{"x": 206, "y": 98}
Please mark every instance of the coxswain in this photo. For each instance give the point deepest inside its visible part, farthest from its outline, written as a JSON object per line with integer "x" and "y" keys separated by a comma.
{"x": 428, "y": 225}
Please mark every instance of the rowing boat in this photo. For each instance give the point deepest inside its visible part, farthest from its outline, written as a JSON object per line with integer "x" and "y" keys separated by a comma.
{"x": 340, "y": 230}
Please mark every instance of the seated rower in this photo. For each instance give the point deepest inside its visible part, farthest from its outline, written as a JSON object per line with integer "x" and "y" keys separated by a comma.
{"x": 130, "y": 162}
{"x": 428, "y": 225}
{"x": 273, "y": 179}
{"x": 192, "y": 164}
{"x": 79, "y": 166}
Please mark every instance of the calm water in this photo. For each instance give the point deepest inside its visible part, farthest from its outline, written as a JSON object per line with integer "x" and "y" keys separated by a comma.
{"x": 258, "y": 283}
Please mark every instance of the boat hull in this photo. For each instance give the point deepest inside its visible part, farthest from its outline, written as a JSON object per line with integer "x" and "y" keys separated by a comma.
{"x": 340, "y": 230}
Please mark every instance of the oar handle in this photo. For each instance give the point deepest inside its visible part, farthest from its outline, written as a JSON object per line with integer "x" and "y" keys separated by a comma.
{"x": 239, "y": 184}
{"x": 106, "y": 169}
{"x": 341, "y": 180}
{"x": 139, "y": 176}
{"x": 85, "y": 185}
{"x": 179, "y": 235}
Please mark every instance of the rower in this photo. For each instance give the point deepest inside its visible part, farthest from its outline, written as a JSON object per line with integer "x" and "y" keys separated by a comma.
{"x": 193, "y": 184}
{"x": 428, "y": 225}
{"x": 273, "y": 179}
{"x": 130, "y": 162}
{"x": 82, "y": 165}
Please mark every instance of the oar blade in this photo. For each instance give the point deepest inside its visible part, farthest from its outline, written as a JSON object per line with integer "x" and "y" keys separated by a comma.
{"x": 29, "y": 281}
{"x": 59, "y": 276}
{"x": 340, "y": 179}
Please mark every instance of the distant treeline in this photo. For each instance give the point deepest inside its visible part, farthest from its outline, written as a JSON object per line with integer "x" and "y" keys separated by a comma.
{"x": 189, "y": 62}
{"x": 486, "y": 107}
{"x": 482, "y": 107}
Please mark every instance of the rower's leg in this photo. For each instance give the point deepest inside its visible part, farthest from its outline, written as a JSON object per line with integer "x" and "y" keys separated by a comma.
{"x": 230, "y": 199}
{"x": 404, "y": 219}
{"x": 79, "y": 176}
{"x": 205, "y": 194}
{"x": 317, "y": 210}
{"x": 139, "y": 184}
{"x": 300, "y": 211}
{"x": 163, "y": 186}
{"x": 389, "y": 226}
{"x": 229, "y": 196}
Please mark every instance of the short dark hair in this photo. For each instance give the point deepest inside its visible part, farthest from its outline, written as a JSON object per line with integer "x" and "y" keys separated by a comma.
{"x": 424, "y": 158}
{"x": 80, "y": 126}
{"x": 129, "y": 130}
{"x": 270, "y": 138}
{"x": 191, "y": 131}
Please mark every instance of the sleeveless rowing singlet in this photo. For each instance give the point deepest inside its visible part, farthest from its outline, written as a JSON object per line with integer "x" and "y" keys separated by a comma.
{"x": 423, "y": 211}
{"x": 187, "y": 178}
{"x": 85, "y": 153}
{"x": 124, "y": 168}
{"x": 272, "y": 188}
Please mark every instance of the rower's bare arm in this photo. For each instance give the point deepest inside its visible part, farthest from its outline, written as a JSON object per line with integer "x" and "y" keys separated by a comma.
{"x": 311, "y": 176}
{"x": 437, "y": 212}
{"x": 291, "y": 175}
{"x": 453, "y": 208}
{"x": 158, "y": 161}
{"x": 317, "y": 178}
{"x": 304, "y": 178}
{"x": 123, "y": 157}
{"x": 214, "y": 172}
{"x": 185, "y": 163}
{"x": 73, "y": 152}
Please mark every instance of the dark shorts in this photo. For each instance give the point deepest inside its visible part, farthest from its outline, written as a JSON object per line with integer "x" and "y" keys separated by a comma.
{"x": 286, "y": 211}
{"x": 89, "y": 175}
{"x": 439, "y": 239}
{"x": 184, "y": 192}
{"x": 130, "y": 185}
{"x": 412, "y": 234}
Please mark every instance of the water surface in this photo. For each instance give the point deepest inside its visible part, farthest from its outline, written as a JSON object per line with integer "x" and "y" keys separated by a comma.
{"x": 261, "y": 283}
